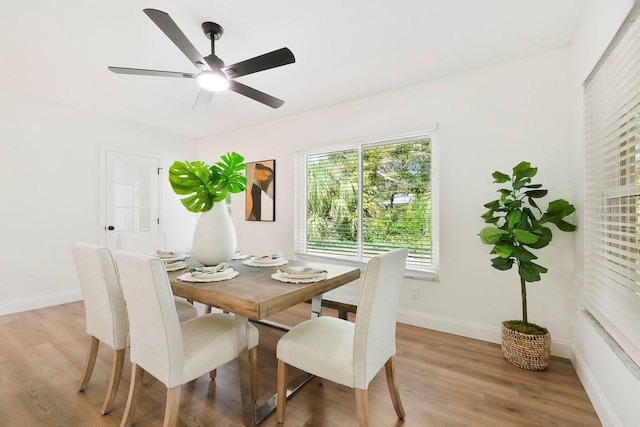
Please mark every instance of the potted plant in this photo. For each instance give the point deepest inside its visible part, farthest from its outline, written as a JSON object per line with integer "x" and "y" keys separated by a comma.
{"x": 518, "y": 225}
{"x": 205, "y": 186}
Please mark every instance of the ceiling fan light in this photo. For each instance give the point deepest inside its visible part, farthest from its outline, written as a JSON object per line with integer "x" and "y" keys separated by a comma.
{"x": 215, "y": 82}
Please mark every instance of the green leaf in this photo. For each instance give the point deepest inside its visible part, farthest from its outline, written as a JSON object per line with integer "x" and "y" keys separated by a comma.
{"x": 230, "y": 171}
{"x": 491, "y": 235}
{"x": 524, "y": 236}
{"x": 524, "y": 255}
{"x": 518, "y": 185}
{"x": 502, "y": 263}
{"x": 557, "y": 210}
{"x": 565, "y": 226}
{"x": 500, "y": 177}
{"x": 536, "y": 194}
{"x": 503, "y": 251}
{"x": 513, "y": 218}
{"x": 513, "y": 205}
{"x": 524, "y": 170}
{"x": 533, "y": 204}
{"x": 544, "y": 238}
{"x": 492, "y": 205}
{"x": 530, "y": 271}
{"x": 533, "y": 186}
{"x": 488, "y": 215}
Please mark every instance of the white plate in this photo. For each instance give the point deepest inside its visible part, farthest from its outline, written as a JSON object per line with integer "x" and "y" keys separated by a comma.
{"x": 286, "y": 279}
{"x": 178, "y": 265}
{"x": 265, "y": 263}
{"x": 216, "y": 277}
{"x": 300, "y": 272}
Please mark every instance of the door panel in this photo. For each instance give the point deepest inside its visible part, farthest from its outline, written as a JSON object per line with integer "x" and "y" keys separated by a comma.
{"x": 131, "y": 194}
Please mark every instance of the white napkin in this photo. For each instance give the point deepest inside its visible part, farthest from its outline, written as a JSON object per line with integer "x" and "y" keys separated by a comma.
{"x": 223, "y": 267}
{"x": 272, "y": 257}
{"x": 301, "y": 271}
{"x": 173, "y": 264}
{"x": 165, "y": 254}
{"x": 240, "y": 255}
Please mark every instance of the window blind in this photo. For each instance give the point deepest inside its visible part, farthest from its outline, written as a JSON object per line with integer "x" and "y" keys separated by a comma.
{"x": 358, "y": 201}
{"x": 612, "y": 190}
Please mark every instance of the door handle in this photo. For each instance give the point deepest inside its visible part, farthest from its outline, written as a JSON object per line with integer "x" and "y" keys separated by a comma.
{"x": 111, "y": 228}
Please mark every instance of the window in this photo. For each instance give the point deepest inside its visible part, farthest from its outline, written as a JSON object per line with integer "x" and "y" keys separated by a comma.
{"x": 357, "y": 201}
{"x": 612, "y": 191}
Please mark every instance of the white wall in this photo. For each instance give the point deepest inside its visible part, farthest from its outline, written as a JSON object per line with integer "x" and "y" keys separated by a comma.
{"x": 50, "y": 186}
{"x": 489, "y": 119}
{"x": 613, "y": 389}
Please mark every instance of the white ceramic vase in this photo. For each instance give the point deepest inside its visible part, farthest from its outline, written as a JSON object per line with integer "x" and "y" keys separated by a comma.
{"x": 214, "y": 239}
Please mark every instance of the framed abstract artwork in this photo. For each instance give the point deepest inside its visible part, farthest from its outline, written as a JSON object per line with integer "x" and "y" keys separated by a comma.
{"x": 261, "y": 191}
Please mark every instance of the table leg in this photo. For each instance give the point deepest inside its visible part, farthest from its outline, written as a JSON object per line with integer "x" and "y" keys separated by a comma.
{"x": 244, "y": 371}
{"x": 316, "y": 306}
{"x": 253, "y": 415}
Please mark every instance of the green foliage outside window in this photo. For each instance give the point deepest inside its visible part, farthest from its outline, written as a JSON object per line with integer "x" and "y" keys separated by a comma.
{"x": 396, "y": 200}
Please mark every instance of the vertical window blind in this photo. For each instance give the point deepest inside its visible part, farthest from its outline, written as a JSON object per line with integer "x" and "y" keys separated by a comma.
{"x": 359, "y": 201}
{"x": 612, "y": 190}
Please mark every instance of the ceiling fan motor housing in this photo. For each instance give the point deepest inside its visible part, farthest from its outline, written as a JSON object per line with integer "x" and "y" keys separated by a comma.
{"x": 212, "y": 30}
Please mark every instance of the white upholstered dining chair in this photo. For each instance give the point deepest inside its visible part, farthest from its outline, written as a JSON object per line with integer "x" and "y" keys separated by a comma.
{"x": 174, "y": 353}
{"x": 144, "y": 242}
{"x": 348, "y": 353}
{"x": 105, "y": 313}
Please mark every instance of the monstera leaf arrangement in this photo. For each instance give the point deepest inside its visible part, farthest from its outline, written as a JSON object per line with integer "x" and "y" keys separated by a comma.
{"x": 205, "y": 185}
{"x": 518, "y": 225}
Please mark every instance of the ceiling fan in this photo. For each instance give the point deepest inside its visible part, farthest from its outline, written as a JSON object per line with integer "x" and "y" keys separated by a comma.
{"x": 213, "y": 75}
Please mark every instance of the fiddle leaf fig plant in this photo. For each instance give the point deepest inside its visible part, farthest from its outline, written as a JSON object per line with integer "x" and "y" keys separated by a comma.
{"x": 205, "y": 185}
{"x": 518, "y": 225}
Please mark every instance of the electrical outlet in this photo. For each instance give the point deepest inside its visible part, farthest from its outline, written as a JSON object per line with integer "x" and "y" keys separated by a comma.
{"x": 415, "y": 293}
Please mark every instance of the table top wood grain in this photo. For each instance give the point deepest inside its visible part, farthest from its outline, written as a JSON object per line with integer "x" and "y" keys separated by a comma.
{"x": 254, "y": 294}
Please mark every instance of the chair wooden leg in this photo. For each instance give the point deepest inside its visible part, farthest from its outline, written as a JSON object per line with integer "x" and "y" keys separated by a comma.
{"x": 390, "y": 369}
{"x": 172, "y": 407}
{"x": 362, "y": 405}
{"x": 253, "y": 361}
{"x": 282, "y": 391}
{"x": 134, "y": 395}
{"x": 90, "y": 361}
{"x": 213, "y": 374}
{"x": 114, "y": 381}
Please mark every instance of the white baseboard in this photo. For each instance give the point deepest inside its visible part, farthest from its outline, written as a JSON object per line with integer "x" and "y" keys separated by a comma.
{"x": 471, "y": 330}
{"x": 26, "y": 304}
{"x": 599, "y": 400}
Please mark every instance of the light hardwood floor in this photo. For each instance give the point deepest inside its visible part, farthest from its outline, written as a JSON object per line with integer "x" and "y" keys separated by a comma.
{"x": 444, "y": 380}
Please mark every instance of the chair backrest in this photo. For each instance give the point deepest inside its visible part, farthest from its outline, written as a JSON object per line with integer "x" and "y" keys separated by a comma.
{"x": 375, "y": 324}
{"x": 154, "y": 328}
{"x": 106, "y": 317}
{"x": 142, "y": 242}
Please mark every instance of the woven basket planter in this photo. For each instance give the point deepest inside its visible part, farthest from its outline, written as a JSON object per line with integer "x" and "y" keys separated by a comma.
{"x": 526, "y": 351}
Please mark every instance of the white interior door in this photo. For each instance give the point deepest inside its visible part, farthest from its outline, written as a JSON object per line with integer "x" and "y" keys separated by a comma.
{"x": 132, "y": 201}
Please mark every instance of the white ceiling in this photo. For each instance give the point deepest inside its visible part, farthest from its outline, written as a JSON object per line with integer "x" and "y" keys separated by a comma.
{"x": 58, "y": 51}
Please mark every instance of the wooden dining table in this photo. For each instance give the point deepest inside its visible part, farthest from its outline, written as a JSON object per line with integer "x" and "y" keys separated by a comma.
{"x": 255, "y": 295}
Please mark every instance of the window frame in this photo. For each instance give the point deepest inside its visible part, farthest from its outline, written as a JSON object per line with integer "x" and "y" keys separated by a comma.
{"x": 300, "y": 206}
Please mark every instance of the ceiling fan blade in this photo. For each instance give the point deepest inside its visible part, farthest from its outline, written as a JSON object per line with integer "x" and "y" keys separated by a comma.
{"x": 143, "y": 72}
{"x": 269, "y": 60}
{"x": 202, "y": 100}
{"x": 170, "y": 28}
{"x": 255, "y": 94}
